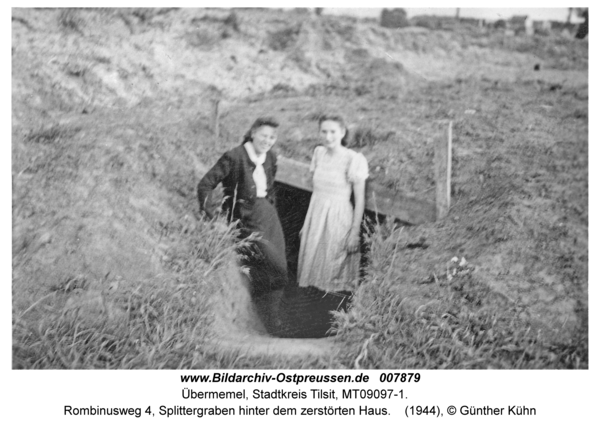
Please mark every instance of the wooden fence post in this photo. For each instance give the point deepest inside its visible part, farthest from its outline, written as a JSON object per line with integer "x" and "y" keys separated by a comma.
{"x": 443, "y": 170}
{"x": 216, "y": 117}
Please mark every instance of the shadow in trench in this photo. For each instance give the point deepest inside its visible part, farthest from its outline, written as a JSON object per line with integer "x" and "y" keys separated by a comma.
{"x": 292, "y": 205}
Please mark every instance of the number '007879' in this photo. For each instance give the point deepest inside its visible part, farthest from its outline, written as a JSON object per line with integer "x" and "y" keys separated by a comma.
{"x": 399, "y": 377}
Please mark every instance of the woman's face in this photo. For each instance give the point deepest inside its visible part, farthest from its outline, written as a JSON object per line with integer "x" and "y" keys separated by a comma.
{"x": 263, "y": 139}
{"x": 331, "y": 133}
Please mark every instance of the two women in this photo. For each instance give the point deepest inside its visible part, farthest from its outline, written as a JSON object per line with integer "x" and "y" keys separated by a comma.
{"x": 247, "y": 173}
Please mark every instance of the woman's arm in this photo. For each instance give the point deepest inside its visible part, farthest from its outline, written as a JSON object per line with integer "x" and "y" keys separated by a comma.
{"x": 210, "y": 181}
{"x": 353, "y": 240}
{"x": 271, "y": 172}
{"x": 313, "y": 165}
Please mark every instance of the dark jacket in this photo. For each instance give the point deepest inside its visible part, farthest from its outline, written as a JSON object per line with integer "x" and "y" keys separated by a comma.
{"x": 234, "y": 169}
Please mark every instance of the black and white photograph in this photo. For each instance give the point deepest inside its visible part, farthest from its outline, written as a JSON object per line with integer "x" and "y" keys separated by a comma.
{"x": 311, "y": 188}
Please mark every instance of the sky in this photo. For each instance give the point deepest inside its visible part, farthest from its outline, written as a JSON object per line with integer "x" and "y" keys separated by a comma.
{"x": 555, "y": 14}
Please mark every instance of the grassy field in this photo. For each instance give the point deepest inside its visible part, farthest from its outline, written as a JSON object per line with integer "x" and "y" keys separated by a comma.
{"x": 113, "y": 267}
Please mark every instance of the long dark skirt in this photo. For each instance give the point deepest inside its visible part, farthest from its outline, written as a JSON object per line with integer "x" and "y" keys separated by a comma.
{"x": 285, "y": 309}
{"x": 265, "y": 259}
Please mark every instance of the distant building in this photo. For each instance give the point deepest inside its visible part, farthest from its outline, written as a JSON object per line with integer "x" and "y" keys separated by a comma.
{"x": 393, "y": 18}
{"x": 470, "y": 21}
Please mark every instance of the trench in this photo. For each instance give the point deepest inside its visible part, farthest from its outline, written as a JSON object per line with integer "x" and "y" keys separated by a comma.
{"x": 299, "y": 314}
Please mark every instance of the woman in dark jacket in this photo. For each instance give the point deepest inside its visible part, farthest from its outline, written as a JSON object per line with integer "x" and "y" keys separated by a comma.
{"x": 247, "y": 173}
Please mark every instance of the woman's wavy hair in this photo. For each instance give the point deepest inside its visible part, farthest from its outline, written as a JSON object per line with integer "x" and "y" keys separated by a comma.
{"x": 261, "y": 121}
{"x": 340, "y": 120}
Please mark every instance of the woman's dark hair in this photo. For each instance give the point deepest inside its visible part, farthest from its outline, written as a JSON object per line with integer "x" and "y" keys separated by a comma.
{"x": 261, "y": 121}
{"x": 340, "y": 120}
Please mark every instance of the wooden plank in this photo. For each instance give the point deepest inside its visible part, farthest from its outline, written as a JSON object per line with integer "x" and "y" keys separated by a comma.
{"x": 399, "y": 205}
{"x": 378, "y": 199}
{"x": 443, "y": 169}
{"x": 293, "y": 173}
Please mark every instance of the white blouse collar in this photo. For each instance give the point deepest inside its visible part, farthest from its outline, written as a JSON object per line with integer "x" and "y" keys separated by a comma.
{"x": 256, "y": 159}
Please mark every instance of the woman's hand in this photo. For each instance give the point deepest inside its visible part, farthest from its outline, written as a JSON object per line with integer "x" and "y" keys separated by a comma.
{"x": 352, "y": 242}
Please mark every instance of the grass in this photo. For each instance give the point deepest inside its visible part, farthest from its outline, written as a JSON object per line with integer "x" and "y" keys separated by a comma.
{"x": 448, "y": 321}
{"x": 168, "y": 322}
{"x": 369, "y": 137}
{"x": 453, "y": 321}
{"x": 70, "y": 20}
{"x": 202, "y": 39}
{"x": 431, "y": 322}
{"x": 162, "y": 323}
{"x": 284, "y": 38}
{"x": 51, "y": 134}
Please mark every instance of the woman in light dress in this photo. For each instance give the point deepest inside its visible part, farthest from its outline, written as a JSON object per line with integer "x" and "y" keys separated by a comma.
{"x": 330, "y": 238}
